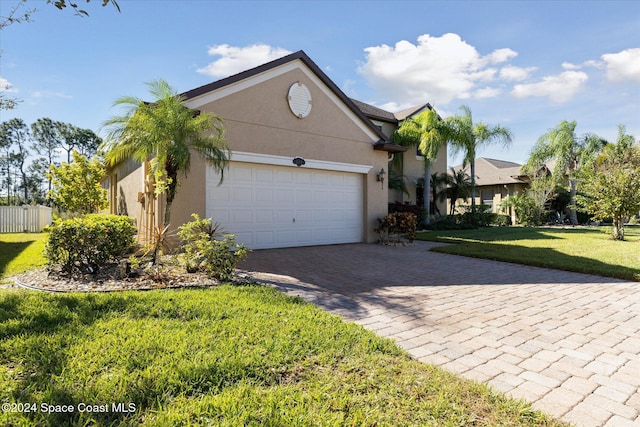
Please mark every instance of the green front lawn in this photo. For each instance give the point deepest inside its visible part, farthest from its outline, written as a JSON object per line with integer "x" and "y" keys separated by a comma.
{"x": 226, "y": 356}
{"x": 20, "y": 252}
{"x": 585, "y": 250}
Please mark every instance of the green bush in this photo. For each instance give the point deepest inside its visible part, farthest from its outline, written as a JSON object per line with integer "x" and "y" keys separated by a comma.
{"x": 500, "y": 220}
{"x": 418, "y": 211}
{"x": 83, "y": 245}
{"x": 204, "y": 252}
{"x": 454, "y": 222}
{"x": 397, "y": 224}
{"x": 528, "y": 213}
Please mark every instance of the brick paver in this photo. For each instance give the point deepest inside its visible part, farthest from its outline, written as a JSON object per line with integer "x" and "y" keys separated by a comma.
{"x": 567, "y": 342}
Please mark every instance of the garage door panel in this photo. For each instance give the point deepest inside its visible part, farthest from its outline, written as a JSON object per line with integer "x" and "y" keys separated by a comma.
{"x": 283, "y": 177}
{"x": 242, "y": 217}
{"x": 264, "y": 217}
{"x": 264, "y": 238}
{"x": 264, "y": 195}
{"x": 264, "y": 175}
{"x": 320, "y": 196}
{"x": 284, "y": 196}
{"x": 284, "y": 217}
{"x": 303, "y": 177}
{"x": 242, "y": 174}
{"x": 273, "y": 206}
{"x": 304, "y": 216}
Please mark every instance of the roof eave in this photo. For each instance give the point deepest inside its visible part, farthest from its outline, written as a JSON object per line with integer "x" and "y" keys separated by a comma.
{"x": 389, "y": 147}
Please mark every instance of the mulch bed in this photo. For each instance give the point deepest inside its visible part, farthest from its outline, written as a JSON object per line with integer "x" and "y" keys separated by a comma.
{"x": 167, "y": 275}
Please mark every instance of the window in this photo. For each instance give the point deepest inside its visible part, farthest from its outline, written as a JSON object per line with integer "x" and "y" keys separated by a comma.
{"x": 487, "y": 198}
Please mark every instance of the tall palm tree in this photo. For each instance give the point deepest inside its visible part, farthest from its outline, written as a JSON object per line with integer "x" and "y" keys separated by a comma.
{"x": 468, "y": 137}
{"x": 439, "y": 184}
{"x": 459, "y": 188}
{"x": 569, "y": 152}
{"x": 164, "y": 132}
{"x": 425, "y": 132}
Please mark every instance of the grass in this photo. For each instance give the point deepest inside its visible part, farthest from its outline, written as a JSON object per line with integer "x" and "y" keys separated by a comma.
{"x": 585, "y": 250}
{"x": 20, "y": 252}
{"x": 227, "y": 356}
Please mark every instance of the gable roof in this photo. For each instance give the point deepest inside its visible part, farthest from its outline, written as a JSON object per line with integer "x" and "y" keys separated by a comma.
{"x": 376, "y": 113}
{"x": 401, "y": 115}
{"x": 373, "y": 112}
{"x": 495, "y": 172}
{"x": 304, "y": 58}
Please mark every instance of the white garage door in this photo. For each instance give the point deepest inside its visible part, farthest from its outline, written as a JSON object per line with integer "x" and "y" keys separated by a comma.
{"x": 269, "y": 206}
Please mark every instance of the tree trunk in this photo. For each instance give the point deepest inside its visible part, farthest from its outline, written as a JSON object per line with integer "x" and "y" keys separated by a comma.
{"x": 427, "y": 191}
{"x": 618, "y": 228}
{"x": 573, "y": 215}
{"x": 473, "y": 186}
{"x": 167, "y": 212}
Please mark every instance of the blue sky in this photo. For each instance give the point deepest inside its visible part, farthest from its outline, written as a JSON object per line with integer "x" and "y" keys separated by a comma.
{"x": 524, "y": 65}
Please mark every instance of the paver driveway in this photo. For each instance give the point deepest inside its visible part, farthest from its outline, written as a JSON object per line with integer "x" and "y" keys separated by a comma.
{"x": 567, "y": 342}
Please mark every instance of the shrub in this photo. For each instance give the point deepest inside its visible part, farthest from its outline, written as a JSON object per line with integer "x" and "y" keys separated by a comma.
{"x": 455, "y": 222}
{"x": 83, "y": 245}
{"x": 528, "y": 212}
{"x": 397, "y": 224}
{"x": 418, "y": 211}
{"x": 204, "y": 252}
{"x": 500, "y": 220}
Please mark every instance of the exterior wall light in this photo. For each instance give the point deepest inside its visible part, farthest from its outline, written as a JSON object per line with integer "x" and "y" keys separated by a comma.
{"x": 380, "y": 176}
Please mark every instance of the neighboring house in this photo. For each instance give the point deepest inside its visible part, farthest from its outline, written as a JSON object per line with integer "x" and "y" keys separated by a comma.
{"x": 409, "y": 164}
{"x": 495, "y": 181}
{"x": 305, "y": 165}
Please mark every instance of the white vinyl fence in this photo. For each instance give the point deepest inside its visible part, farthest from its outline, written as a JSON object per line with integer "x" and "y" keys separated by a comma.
{"x": 24, "y": 219}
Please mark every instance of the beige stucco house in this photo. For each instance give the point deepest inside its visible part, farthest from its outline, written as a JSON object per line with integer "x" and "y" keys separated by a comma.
{"x": 305, "y": 164}
{"x": 495, "y": 181}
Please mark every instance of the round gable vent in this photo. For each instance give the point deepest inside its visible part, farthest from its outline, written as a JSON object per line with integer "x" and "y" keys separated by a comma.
{"x": 299, "y": 100}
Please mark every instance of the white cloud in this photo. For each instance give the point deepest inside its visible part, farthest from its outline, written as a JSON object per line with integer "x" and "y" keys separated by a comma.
{"x": 570, "y": 66}
{"x": 6, "y": 86}
{"x": 512, "y": 73}
{"x": 487, "y": 92}
{"x": 559, "y": 88}
{"x": 623, "y": 66}
{"x": 501, "y": 55}
{"x": 590, "y": 63}
{"x": 50, "y": 94}
{"x": 436, "y": 69}
{"x": 233, "y": 60}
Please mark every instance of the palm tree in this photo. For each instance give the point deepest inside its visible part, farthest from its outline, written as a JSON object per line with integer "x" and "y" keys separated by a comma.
{"x": 164, "y": 132}
{"x": 459, "y": 188}
{"x": 569, "y": 152}
{"x": 439, "y": 184}
{"x": 468, "y": 137}
{"x": 425, "y": 132}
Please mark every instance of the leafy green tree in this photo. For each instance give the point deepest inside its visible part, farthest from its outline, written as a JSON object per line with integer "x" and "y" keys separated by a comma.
{"x": 76, "y": 186}
{"x": 610, "y": 185}
{"x": 459, "y": 188}
{"x": 397, "y": 182}
{"x": 439, "y": 184}
{"x": 528, "y": 211}
{"x": 425, "y": 132}
{"x": 164, "y": 132}
{"x": 46, "y": 140}
{"x": 468, "y": 137}
{"x": 85, "y": 141}
{"x": 14, "y": 136}
{"x": 570, "y": 153}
